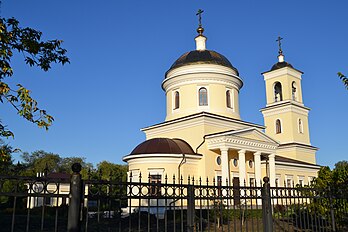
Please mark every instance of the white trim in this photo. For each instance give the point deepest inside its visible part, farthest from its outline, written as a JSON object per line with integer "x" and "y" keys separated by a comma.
{"x": 156, "y": 171}
{"x": 240, "y": 134}
{"x": 284, "y": 107}
{"x": 282, "y": 71}
{"x": 301, "y": 178}
{"x": 203, "y": 118}
{"x": 289, "y": 178}
{"x": 155, "y": 155}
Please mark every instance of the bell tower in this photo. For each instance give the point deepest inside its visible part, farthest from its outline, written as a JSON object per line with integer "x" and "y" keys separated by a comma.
{"x": 285, "y": 116}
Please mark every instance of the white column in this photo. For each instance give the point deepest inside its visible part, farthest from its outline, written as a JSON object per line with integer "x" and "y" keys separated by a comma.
{"x": 241, "y": 161}
{"x": 257, "y": 160}
{"x": 224, "y": 166}
{"x": 272, "y": 174}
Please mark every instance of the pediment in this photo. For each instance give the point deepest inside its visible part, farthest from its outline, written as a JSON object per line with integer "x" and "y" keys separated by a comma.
{"x": 252, "y": 134}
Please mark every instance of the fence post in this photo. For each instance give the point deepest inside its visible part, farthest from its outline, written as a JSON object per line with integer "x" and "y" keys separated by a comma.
{"x": 266, "y": 206}
{"x": 190, "y": 208}
{"x": 75, "y": 199}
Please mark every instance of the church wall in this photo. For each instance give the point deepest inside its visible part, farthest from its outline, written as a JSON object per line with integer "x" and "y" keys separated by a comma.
{"x": 290, "y": 128}
{"x": 298, "y": 136}
{"x": 163, "y": 166}
{"x": 305, "y": 155}
{"x": 285, "y": 174}
{"x": 287, "y": 129}
{"x": 189, "y": 97}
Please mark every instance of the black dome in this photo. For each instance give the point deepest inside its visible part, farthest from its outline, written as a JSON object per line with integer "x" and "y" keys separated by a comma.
{"x": 280, "y": 65}
{"x": 202, "y": 57}
{"x": 163, "y": 146}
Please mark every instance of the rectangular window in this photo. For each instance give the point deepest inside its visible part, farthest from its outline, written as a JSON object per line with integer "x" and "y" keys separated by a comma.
{"x": 301, "y": 180}
{"x": 155, "y": 188}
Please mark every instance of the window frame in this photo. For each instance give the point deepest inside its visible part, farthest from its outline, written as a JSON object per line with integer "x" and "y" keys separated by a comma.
{"x": 278, "y": 128}
{"x": 201, "y": 99}
{"x": 176, "y": 99}
{"x": 280, "y": 92}
{"x": 300, "y": 126}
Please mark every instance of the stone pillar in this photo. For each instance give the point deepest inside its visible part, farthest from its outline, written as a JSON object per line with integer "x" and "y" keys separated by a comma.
{"x": 225, "y": 166}
{"x": 272, "y": 174}
{"x": 257, "y": 167}
{"x": 241, "y": 159}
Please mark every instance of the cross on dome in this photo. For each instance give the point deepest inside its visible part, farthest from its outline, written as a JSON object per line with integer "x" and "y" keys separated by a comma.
{"x": 280, "y": 51}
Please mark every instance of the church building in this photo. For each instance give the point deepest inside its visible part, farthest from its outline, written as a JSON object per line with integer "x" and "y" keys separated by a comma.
{"x": 204, "y": 136}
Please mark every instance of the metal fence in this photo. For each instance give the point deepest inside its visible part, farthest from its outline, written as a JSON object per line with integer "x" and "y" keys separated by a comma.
{"x": 156, "y": 204}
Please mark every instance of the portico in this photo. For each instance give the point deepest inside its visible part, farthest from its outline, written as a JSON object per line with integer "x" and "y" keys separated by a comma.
{"x": 251, "y": 141}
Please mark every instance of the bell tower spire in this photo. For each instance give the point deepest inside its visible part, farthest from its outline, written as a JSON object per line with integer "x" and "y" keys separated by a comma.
{"x": 200, "y": 39}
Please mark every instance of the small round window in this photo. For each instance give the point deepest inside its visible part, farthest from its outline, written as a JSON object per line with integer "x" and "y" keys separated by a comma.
{"x": 250, "y": 163}
{"x": 218, "y": 160}
{"x": 235, "y": 162}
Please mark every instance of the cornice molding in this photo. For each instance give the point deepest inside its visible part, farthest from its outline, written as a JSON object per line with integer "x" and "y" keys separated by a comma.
{"x": 202, "y": 118}
{"x": 236, "y": 142}
{"x": 282, "y": 71}
{"x": 284, "y": 108}
{"x": 165, "y": 156}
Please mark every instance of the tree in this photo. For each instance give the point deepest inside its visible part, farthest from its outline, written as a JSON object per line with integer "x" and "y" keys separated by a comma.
{"x": 343, "y": 78}
{"x": 112, "y": 171}
{"x": 36, "y": 52}
{"x": 38, "y": 161}
{"x": 5, "y": 158}
{"x": 333, "y": 184}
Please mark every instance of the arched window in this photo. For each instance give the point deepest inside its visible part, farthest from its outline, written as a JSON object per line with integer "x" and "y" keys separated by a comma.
{"x": 203, "y": 96}
{"x": 293, "y": 90}
{"x": 278, "y": 96}
{"x": 300, "y": 126}
{"x": 176, "y": 100}
{"x": 278, "y": 127}
{"x": 228, "y": 99}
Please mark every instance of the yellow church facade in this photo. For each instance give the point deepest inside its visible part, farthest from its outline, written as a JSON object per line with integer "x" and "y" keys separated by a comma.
{"x": 204, "y": 136}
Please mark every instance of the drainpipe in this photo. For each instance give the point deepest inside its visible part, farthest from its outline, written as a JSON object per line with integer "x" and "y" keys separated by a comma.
{"x": 200, "y": 144}
{"x": 182, "y": 162}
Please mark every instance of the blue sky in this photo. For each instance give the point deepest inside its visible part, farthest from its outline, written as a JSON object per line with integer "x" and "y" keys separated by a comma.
{"x": 120, "y": 50}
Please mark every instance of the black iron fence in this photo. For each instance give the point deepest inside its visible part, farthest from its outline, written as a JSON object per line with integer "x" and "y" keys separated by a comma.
{"x": 163, "y": 204}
